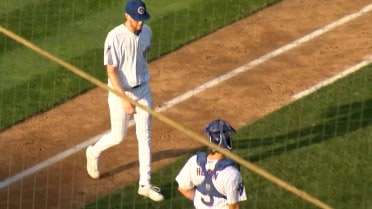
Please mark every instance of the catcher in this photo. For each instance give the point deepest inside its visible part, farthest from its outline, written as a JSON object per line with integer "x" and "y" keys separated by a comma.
{"x": 209, "y": 179}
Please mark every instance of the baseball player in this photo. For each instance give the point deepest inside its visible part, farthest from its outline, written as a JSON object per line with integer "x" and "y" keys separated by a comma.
{"x": 125, "y": 56}
{"x": 209, "y": 179}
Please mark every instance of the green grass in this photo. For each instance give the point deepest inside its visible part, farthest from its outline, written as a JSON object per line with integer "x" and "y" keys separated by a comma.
{"x": 320, "y": 144}
{"x": 75, "y": 31}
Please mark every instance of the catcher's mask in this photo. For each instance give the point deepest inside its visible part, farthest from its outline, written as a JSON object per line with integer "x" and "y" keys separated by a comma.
{"x": 220, "y": 133}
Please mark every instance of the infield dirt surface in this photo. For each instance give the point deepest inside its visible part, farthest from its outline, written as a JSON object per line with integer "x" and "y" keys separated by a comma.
{"x": 240, "y": 100}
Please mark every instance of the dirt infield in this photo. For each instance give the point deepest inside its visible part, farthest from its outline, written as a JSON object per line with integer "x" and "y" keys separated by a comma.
{"x": 240, "y": 100}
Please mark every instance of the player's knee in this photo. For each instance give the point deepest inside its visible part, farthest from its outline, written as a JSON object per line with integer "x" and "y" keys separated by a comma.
{"x": 117, "y": 141}
{"x": 117, "y": 138}
{"x": 143, "y": 136}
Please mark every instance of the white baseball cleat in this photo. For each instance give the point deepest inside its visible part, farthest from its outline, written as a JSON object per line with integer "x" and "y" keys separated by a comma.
{"x": 151, "y": 192}
{"x": 92, "y": 164}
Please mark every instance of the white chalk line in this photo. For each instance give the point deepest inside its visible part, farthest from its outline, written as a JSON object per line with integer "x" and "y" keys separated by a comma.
{"x": 332, "y": 79}
{"x": 193, "y": 92}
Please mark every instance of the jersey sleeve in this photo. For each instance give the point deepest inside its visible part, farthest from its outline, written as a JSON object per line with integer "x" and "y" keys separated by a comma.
{"x": 110, "y": 52}
{"x": 184, "y": 177}
{"x": 148, "y": 31}
{"x": 234, "y": 187}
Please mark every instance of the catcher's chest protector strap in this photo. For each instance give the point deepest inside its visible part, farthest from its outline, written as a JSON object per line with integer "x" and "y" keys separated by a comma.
{"x": 207, "y": 187}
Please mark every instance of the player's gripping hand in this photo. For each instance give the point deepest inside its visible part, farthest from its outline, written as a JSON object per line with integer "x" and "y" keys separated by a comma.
{"x": 128, "y": 107}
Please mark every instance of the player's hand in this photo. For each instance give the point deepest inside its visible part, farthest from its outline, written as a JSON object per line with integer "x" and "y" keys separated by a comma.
{"x": 128, "y": 107}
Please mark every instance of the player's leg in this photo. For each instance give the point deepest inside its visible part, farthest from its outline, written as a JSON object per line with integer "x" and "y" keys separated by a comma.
{"x": 143, "y": 132}
{"x": 119, "y": 125}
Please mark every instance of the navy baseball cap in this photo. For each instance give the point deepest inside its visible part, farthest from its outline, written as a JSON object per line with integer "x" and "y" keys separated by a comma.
{"x": 137, "y": 10}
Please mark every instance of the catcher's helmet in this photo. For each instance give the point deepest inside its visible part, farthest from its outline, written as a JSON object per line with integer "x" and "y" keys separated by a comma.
{"x": 220, "y": 133}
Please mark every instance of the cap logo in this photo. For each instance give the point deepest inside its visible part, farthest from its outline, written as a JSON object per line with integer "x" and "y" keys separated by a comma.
{"x": 141, "y": 10}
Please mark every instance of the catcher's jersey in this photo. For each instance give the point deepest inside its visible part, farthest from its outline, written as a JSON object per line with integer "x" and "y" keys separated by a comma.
{"x": 228, "y": 182}
{"x": 128, "y": 53}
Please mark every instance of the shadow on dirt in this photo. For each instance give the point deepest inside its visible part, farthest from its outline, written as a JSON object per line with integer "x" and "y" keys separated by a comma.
{"x": 161, "y": 155}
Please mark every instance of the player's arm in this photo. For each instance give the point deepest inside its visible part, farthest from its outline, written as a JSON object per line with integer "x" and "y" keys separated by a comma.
{"x": 188, "y": 193}
{"x": 233, "y": 206}
{"x": 235, "y": 189}
{"x": 115, "y": 82}
{"x": 184, "y": 179}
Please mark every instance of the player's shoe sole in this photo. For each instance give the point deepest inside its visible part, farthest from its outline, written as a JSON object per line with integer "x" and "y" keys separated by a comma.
{"x": 92, "y": 164}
